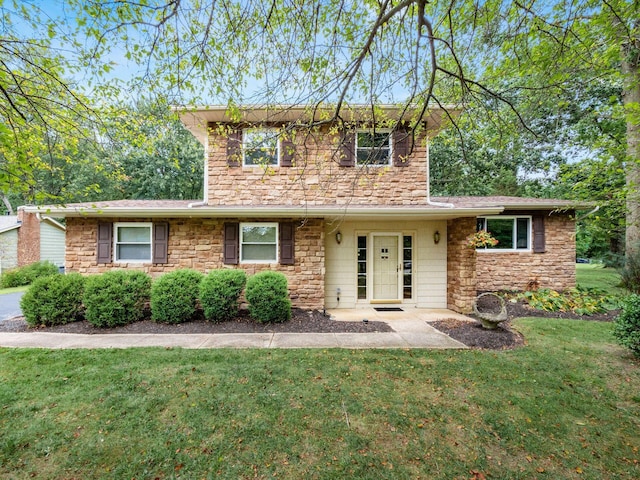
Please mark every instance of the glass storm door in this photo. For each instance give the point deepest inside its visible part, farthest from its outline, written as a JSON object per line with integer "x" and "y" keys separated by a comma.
{"x": 386, "y": 267}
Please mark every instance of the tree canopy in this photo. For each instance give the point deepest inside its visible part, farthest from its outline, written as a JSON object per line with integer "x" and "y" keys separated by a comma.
{"x": 544, "y": 83}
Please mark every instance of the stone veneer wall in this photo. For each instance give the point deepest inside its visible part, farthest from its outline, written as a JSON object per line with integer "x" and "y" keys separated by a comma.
{"x": 197, "y": 243}
{"x": 555, "y": 268}
{"x": 461, "y": 265}
{"x": 316, "y": 178}
{"x": 28, "y": 238}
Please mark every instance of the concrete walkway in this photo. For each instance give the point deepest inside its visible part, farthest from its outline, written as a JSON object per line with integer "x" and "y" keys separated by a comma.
{"x": 411, "y": 330}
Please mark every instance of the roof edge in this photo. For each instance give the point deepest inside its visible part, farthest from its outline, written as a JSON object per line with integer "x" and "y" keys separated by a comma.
{"x": 347, "y": 212}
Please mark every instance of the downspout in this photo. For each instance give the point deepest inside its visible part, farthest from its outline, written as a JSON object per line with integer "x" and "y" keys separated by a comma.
{"x": 205, "y": 184}
{"x": 588, "y": 213}
{"x": 429, "y": 201}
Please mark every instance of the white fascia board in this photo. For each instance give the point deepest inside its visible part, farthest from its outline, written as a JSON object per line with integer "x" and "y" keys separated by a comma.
{"x": 9, "y": 228}
{"x": 364, "y": 213}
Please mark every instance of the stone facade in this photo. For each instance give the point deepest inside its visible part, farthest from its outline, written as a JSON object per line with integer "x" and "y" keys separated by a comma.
{"x": 555, "y": 268}
{"x": 315, "y": 178}
{"x": 461, "y": 265}
{"x": 198, "y": 243}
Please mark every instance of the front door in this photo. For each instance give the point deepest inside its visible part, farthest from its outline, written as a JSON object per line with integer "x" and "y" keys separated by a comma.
{"x": 385, "y": 268}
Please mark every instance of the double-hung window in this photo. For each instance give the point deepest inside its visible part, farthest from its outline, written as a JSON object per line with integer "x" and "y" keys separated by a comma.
{"x": 259, "y": 242}
{"x": 512, "y": 233}
{"x": 260, "y": 147}
{"x": 132, "y": 242}
{"x": 373, "y": 148}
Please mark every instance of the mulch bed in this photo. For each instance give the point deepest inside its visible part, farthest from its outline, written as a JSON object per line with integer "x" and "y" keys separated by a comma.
{"x": 302, "y": 321}
{"x": 471, "y": 334}
{"x": 474, "y": 335}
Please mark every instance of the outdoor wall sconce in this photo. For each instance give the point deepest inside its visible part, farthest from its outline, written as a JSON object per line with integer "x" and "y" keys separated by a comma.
{"x": 339, "y": 237}
{"x": 436, "y": 237}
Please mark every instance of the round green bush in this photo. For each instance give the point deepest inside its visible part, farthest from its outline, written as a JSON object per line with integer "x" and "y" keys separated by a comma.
{"x": 174, "y": 296}
{"x": 53, "y": 300}
{"x": 21, "y": 276}
{"x": 626, "y": 328}
{"x": 219, "y": 294}
{"x": 116, "y": 298}
{"x": 268, "y": 297}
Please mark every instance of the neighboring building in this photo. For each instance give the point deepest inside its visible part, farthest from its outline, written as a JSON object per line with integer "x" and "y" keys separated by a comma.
{"x": 342, "y": 209}
{"x": 30, "y": 237}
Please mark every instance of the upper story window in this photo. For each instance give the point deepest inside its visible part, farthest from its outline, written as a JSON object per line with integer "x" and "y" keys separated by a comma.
{"x": 259, "y": 242}
{"x": 132, "y": 242}
{"x": 260, "y": 147}
{"x": 512, "y": 233}
{"x": 373, "y": 148}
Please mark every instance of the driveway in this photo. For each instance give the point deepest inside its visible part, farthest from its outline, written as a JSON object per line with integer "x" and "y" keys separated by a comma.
{"x": 10, "y": 305}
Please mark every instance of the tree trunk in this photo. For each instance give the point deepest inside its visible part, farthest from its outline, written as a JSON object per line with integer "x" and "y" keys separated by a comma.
{"x": 631, "y": 99}
{"x": 7, "y": 204}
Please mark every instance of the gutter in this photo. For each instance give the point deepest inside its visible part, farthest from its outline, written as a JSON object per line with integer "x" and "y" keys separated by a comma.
{"x": 255, "y": 211}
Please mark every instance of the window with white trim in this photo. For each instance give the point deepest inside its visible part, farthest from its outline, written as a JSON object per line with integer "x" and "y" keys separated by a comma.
{"x": 132, "y": 242}
{"x": 258, "y": 242}
{"x": 512, "y": 233}
{"x": 260, "y": 147}
{"x": 373, "y": 148}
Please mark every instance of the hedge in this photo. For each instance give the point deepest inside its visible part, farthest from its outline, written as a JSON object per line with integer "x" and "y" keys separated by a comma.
{"x": 116, "y": 298}
{"x": 174, "y": 296}
{"x": 268, "y": 296}
{"x": 54, "y": 300}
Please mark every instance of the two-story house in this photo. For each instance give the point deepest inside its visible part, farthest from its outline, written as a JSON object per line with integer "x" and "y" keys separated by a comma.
{"x": 341, "y": 207}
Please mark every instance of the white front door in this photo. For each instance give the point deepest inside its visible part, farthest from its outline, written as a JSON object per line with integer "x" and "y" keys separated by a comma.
{"x": 386, "y": 268}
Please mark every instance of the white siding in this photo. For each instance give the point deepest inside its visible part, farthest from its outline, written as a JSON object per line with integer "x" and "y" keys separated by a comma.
{"x": 9, "y": 249}
{"x": 429, "y": 271}
{"x": 51, "y": 244}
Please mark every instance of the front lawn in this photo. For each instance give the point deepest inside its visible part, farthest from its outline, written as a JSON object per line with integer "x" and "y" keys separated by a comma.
{"x": 13, "y": 290}
{"x": 565, "y": 406}
{"x": 594, "y": 275}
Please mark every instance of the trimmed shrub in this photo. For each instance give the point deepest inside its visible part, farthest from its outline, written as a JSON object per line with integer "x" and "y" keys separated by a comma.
{"x": 53, "y": 300}
{"x": 626, "y": 328}
{"x": 268, "y": 296}
{"x": 116, "y": 298}
{"x": 21, "y": 276}
{"x": 219, "y": 294}
{"x": 174, "y": 296}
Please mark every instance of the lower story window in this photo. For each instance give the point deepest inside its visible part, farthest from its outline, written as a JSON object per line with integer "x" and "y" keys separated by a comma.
{"x": 132, "y": 242}
{"x": 407, "y": 267}
{"x": 512, "y": 233}
{"x": 258, "y": 242}
{"x": 362, "y": 268}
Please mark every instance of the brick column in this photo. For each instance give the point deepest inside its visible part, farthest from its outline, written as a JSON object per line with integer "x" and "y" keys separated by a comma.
{"x": 28, "y": 238}
{"x": 461, "y": 265}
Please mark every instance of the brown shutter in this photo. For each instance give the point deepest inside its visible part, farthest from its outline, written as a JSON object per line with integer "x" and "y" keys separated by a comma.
{"x": 287, "y": 240}
{"x": 347, "y": 149}
{"x": 402, "y": 143}
{"x": 287, "y": 151}
{"x": 160, "y": 242}
{"x": 231, "y": 243}
{"x": 234, "y": 148}
{"x": 538, "y": 234}
{"x": 105, "y": 240}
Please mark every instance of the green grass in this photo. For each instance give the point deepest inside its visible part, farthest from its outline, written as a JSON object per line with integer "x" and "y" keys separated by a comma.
{"x": 593, "y": 275}
{"x": 565, "y": 406}
{"x": 13, "y": 290}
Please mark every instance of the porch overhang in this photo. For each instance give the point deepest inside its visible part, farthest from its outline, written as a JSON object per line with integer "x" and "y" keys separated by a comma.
{"x": 188, "y": 210}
